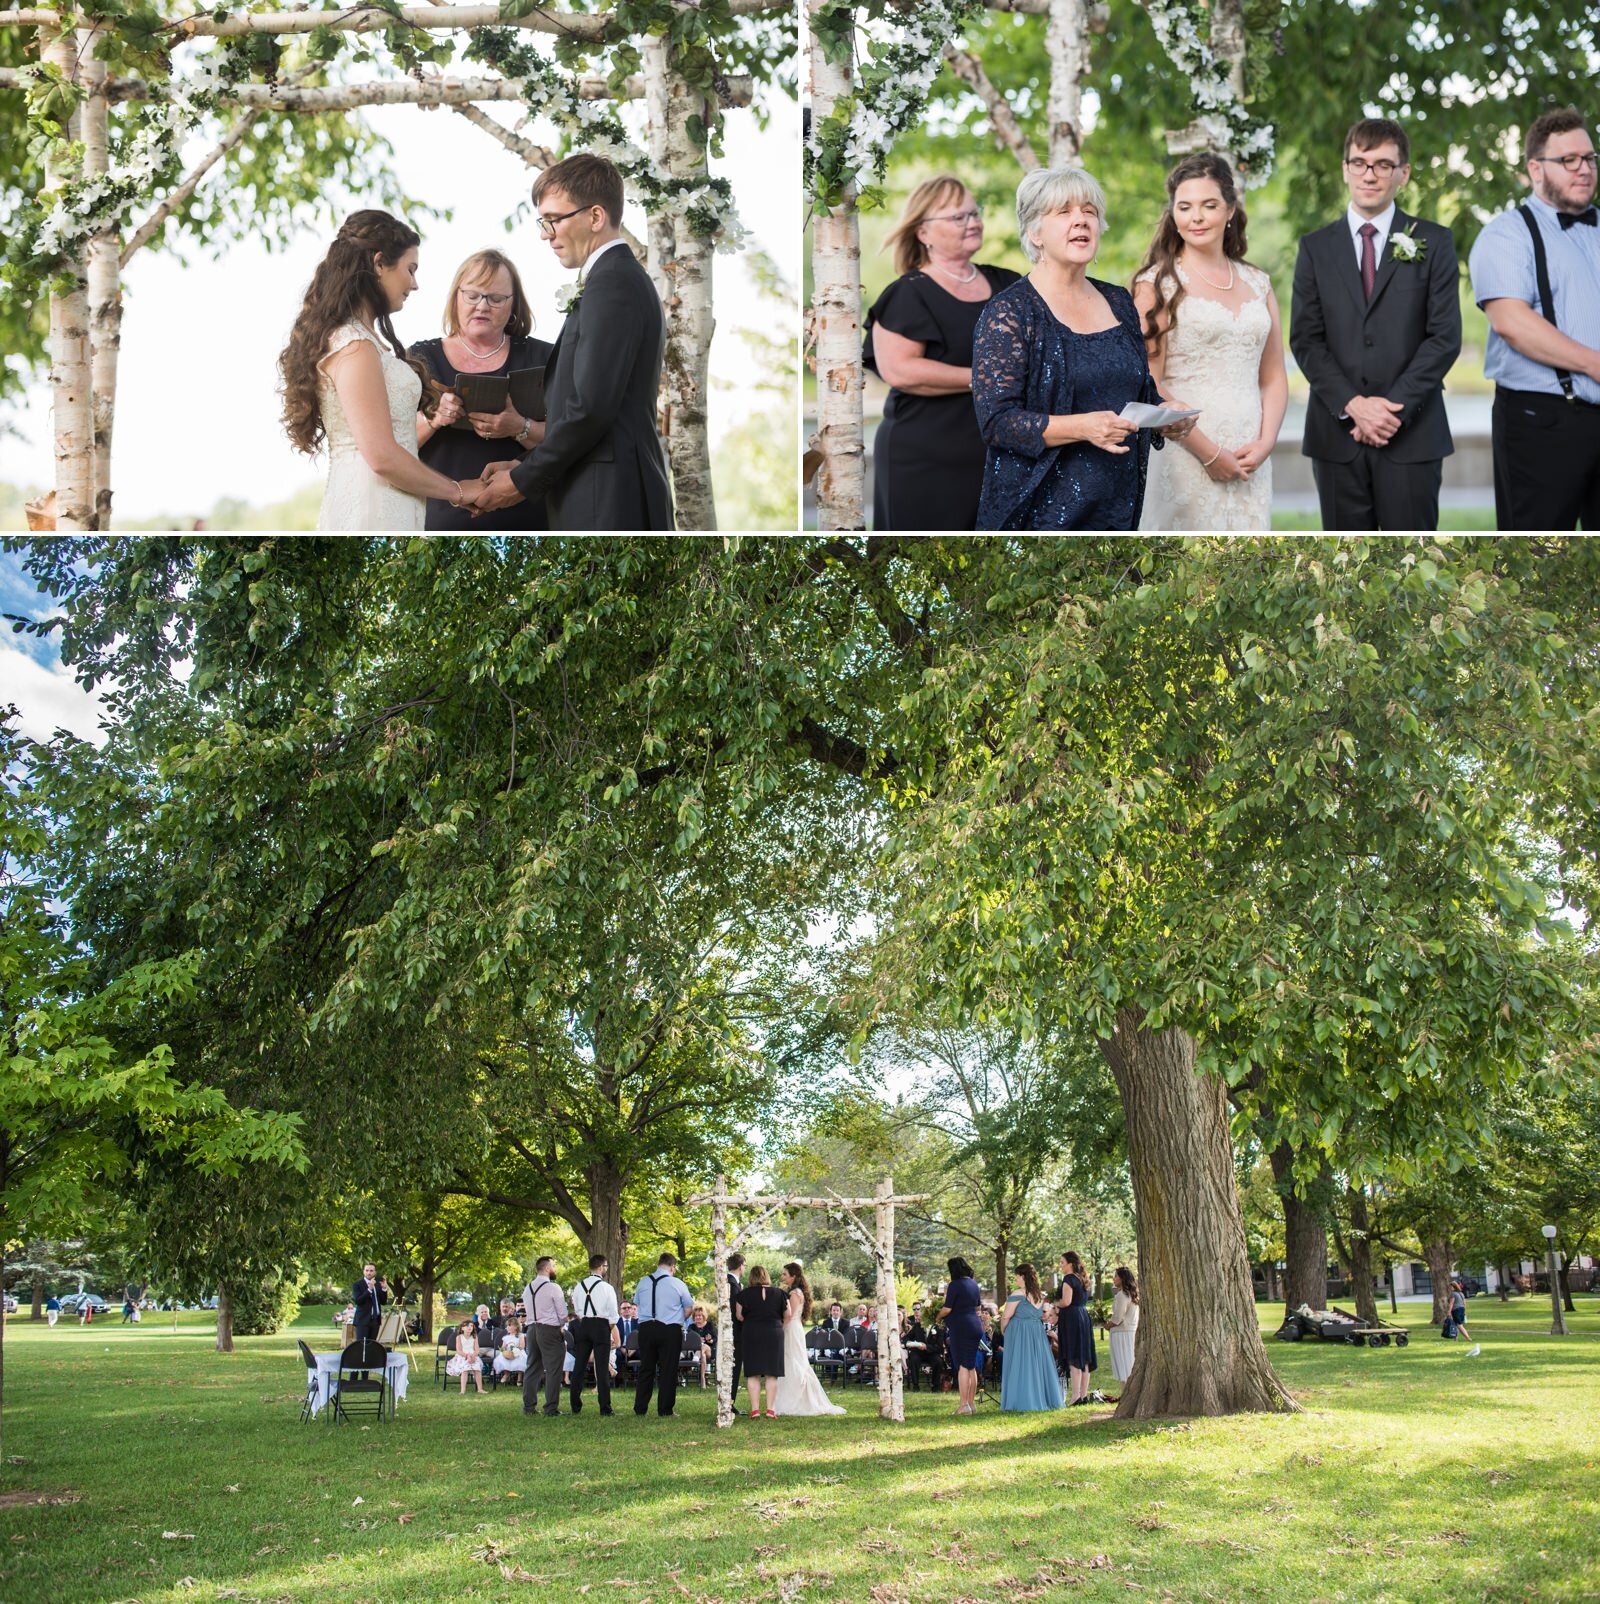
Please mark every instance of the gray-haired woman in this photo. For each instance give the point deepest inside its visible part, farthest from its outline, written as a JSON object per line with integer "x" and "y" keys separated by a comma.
{"x": 1056, "y": 358}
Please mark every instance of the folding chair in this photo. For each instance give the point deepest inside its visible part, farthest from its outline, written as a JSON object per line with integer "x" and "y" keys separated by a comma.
{"x": 354, "y": 1379}
{"x": 444, "y": 1350}
{"x": 312, "y": 1380}
{"x": 866, "y": 1344}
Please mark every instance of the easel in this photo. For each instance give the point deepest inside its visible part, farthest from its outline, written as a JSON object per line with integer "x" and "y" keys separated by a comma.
{"x": 393, "y": 1332}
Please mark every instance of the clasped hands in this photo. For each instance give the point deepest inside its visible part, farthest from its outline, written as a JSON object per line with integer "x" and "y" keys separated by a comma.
{"x": 492, "y": 491}
{"x": 1376, "y": 420}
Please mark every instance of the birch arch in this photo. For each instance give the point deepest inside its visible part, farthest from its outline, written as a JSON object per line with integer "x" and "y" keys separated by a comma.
{"x": 879, "y": 1243}
{"x": 873, "y": 64}
{"x": 110, "y": 190}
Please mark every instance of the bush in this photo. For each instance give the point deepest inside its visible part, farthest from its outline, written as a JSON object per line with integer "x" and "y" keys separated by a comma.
{"x": 263, "y": 1308}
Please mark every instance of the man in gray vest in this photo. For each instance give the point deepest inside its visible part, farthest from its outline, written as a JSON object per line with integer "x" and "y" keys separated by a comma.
{"x": 594, "y": 1317}
{"x": 545, "y": 1305}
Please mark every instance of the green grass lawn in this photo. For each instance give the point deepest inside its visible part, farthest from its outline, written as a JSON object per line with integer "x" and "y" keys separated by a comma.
{"x": 142, "y": 1465}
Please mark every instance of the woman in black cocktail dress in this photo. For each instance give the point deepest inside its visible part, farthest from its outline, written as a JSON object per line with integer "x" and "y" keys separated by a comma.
{"x": 759, "y": 1309}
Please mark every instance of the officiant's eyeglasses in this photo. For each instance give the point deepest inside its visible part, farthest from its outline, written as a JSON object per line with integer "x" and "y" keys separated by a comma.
{"x": 1573, "y": 162}
{"x": 547, "y": 225}
{"x": 1384, "y": 168}
{"x": 484, "y": 298}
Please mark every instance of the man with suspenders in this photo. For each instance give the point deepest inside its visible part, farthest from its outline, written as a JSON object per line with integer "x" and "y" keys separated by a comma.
{"x": 664, "y": 1304}
{"x": 594, "y": 1314}
{"x": 546, "y": 1307}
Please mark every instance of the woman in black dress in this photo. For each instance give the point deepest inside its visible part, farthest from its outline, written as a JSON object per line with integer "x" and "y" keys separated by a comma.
{"x": 1074, "y": 1332}
{"x": 927, "y": 456}
{"x": 759, "y": 1309}
{"x": 487, "y": 329}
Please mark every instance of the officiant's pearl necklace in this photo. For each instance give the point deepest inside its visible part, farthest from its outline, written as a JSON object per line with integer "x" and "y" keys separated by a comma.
{"x": 1211, "y": 281}
{"x": 482, "y": 356}
{"x": 972, "y": 272}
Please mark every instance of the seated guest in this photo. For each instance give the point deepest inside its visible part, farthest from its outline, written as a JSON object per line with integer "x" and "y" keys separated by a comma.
{"x": 511, "y": 1354}
{"x": 701, "y": 1331}
{"x": 865, "y": 1318}
{"x": 467, "y": 1360}
{"x": 835, "y": 1324}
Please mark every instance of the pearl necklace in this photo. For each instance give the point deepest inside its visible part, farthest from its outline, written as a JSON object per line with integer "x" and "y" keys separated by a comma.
{"x": 972, "y": 272}
{"x": 1211, "y": 281}
{"x": 482, "y": 356}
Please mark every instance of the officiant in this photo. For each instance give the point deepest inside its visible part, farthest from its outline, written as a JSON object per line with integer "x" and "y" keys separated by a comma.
{"x": 488, "y": 329}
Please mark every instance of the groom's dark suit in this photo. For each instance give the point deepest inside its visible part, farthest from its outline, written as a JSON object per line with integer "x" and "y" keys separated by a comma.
{"x": 1398, "y": 345}
{"x": 600, "y": 464}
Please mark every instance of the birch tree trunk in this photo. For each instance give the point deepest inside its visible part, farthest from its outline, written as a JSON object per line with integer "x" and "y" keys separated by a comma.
{"x": 836, "y": 326}
{"x": 725, "y": 1316}
{"x": 659, "y": 234}
{"x": 1200, "y": 1349}
{"x": 891, "y": 1395}
{"x": 73, "y": 415}
{"x": 1067, "y": 45}
{"x": 105, "y": 290}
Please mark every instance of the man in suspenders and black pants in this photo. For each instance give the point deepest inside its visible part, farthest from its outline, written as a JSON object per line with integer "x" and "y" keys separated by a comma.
{"x": 664, "y": 1304}
{"x": 594, "y": 1314}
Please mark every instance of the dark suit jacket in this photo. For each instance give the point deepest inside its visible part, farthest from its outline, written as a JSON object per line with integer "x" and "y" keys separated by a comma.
{"x": 368, "y": 1307}
{"x": 735, "y": 1287}
{"x": 600, "y": 465}
{"x": 1399, "y": 345}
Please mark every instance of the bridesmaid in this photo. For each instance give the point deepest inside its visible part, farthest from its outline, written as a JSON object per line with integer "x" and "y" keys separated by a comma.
{"x": 1075, "y": 1332}
{"x": 927, "y": 456}
{"x": 963, "y": 1331}
{"x": 1028, "y": 1380}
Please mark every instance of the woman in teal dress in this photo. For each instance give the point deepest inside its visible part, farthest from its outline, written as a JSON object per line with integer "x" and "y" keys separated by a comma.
{"x": 1029, "y": 1380}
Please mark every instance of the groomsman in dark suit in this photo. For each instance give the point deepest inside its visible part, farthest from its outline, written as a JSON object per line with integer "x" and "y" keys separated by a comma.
{"x": 1375, "y": 326}
{"x": 600, "y": 465}
{"x": 368, "y": 1297}
{"x": 735, "y": 1287}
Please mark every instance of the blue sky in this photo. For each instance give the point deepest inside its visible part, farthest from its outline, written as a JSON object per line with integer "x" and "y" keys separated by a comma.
{"x": 31, "y": 671}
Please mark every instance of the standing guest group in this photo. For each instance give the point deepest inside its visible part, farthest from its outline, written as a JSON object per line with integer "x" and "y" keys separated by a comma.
{"x": 1007, "y": 393}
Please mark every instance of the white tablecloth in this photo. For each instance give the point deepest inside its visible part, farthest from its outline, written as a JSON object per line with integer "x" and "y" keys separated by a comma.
{"x": 396, "y": 1370}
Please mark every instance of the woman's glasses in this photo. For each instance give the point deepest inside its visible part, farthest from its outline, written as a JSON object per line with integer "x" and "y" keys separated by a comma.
{"x": 483, "y": 298}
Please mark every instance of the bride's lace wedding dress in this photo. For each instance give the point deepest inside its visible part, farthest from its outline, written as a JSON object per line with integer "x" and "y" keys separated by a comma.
{"x": 356, "y": 498}
{"x": 1214, "y": 363}
{"x": 798, "y": 1391}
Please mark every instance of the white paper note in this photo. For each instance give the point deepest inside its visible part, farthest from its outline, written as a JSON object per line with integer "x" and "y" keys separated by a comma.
{"x": 1149, "y": 417}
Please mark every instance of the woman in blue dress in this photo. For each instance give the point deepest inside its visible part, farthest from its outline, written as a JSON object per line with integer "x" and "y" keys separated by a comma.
{"x": 1074, "y": 1332}
{"x": 963, "y": 1331}
{"x": 1029, "y": 1380}
{"x": 1056, "y": 357}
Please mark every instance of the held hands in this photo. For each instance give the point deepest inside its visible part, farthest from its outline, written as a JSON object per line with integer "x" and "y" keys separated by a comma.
{"x": 497, "y": 425}
{"x": 1106, "y": 430}
{"x": 1376, "y": 420}
{"x": 495, "y": 490}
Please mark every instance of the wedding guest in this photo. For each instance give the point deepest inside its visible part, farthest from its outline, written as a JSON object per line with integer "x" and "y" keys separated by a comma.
{"x": 664, "y": 1303}
{"x": 1056, "y": 357}
{"x": 735, "y": 1287}
{"x": 488, "y": 328}
{"x": 1544, "y": 351}
{"x": 1375, "y": 327}
{"x": 703, "y": 1336}
{"x": 1029, "y": 1380}
{"x": 348, "y": 380}
{"x": 927, "y": 456}
{"x": 865, "y": 1319}
{"x": 1074, "y": 1330}
{"x": 593, "y": 1327}
{"x": 511, "y": 1351}
{"x": 1212, "y": 333}
{"x": 761, "y": 1309}
{"x": 963, "y": 1331}
{"x": 1124, "y": 1322}
{"x": 914, "y": 1344}
{"x": 467, "y": 1360}
{"x": 835, "y": 1324}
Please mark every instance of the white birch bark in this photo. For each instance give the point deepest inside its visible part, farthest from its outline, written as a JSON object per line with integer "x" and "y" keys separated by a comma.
{"x": 1008, "y": 134}
{"x": 1067, "y": 45}
{"x": 72, "y": 407}
{"x": 891, "y": 1396}
{"x": 659, "y": 233}
{"x": 104, "y": 273}
{"x": 725, "y": 1316}
{"x": 836, "y": 328}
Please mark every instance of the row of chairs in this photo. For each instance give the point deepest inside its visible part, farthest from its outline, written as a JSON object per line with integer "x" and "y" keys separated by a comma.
{"x": 351, "y": 1389}
{"x": 627, "y": 1368}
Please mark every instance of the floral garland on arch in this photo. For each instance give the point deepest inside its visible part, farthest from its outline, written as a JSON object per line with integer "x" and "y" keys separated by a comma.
{"x": 1231, "y": 127}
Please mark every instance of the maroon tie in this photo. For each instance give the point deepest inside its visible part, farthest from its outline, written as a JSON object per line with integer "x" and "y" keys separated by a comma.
{"x": 1369, "y": 259}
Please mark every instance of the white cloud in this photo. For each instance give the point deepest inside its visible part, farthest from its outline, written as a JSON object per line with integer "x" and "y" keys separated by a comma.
{"x": 47, "y": 698}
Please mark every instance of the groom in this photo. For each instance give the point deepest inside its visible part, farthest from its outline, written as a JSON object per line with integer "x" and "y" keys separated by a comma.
{"x": 600, "y": 465}
{"x": 1375, "y": 326}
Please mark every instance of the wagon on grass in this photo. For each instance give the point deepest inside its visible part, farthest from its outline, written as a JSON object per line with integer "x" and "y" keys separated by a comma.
{"x": 1338, "y": 1325}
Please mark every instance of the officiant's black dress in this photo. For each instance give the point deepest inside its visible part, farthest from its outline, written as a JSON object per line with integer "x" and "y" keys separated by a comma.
{"x": 927, "y": 456}
{"x": 762, "y": 1339}
{"x": 462, "y": 454}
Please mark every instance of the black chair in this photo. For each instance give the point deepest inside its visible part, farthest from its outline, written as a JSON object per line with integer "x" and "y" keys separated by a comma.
{"x": 311, "y": 1380}
{"x": 354, "y": 1380}
{"x": 866, "y": 1345}
{"x": 822, "y": 1351}
{"x": 444, "y": 1350}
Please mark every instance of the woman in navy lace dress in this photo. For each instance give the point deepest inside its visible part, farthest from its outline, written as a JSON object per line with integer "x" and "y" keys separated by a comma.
{"x": 1055, "y": 359}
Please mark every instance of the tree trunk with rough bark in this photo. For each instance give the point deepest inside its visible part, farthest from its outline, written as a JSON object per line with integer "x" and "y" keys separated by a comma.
{"x": 1440, "y": 1257}
{"x": 1566, "y": 1285}
{"x": 1200, "y": 1349}
{"x": 1503, "y": 1275}
{"x": 1305, "y": 1233}
{"x": 836, "y": 327}
{"x": 224, "y": 1319}
{"x": 1361, "y": 1279}
{"x": 608, "y": 1230}
{"x": 37, "y": 1311}
{"x": 1066, "y": 42}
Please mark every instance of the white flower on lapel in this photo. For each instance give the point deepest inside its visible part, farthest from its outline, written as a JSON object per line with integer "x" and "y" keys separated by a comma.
{"x": 1407, "y": 247}
{"x": 568, "y": 296}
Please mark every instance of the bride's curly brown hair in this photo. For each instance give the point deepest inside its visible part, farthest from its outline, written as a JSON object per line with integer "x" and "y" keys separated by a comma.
{"x": 344, "y": 289}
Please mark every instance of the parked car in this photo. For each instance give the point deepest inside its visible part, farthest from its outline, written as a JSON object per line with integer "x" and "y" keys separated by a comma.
{"x": 1470, "y": 1285}
{"x": 74, "y": 1301}
{"x": 10, "y": 1304}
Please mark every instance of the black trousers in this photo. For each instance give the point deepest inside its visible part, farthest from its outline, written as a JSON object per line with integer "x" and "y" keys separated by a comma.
{"x": 547, "y": 1357}
{"x": 591, "y": 1338}
{"x": 660, "y": 1345}
{"x": 1546, "y": 462}
{"x": 738, "y": 1360}
{"x": 1376, "y": 492}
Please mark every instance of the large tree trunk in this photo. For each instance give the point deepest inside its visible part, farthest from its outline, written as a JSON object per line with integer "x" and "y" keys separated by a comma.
{"x": 1566, "y": 1286}
{"x": 1200, "y": 1350}
{"x": 1361, "y": 1257}
{"x": 37, "y": 1312}
{"x": 836, "y": 326}
{"x": 427, "y": 1281}
{"x": 608, "y": 1231}
{"x": 224, "y": 1319}
{"x": 1503, "y": 1275}
{"x": 1067, "y": 43}
{"x": 1305, "y": 1234}
{"x": 1440, "y": 1257}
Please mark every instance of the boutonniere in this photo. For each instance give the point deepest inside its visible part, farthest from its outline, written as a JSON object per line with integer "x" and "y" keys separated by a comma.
{"x": 1407, "y": 247}
{"x": 568, "y": 295}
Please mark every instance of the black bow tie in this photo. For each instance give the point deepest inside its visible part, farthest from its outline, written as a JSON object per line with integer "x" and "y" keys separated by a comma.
{"x": 1591, "y": 218}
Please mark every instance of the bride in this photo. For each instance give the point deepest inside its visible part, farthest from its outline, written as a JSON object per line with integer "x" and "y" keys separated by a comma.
{"x": 344, "y": 384}
{"x": 798, "y": 1390}
{"x": 1213, "y": 335}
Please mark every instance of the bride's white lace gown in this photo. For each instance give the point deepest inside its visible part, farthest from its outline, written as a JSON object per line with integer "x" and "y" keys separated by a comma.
{"x": 1214, "y": 363}
{"x": 356, "y": 498}
{"x": 798, "y": 1391}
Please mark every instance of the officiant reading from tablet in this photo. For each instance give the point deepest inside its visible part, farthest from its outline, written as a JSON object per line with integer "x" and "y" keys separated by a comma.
{"x": 488, "y": 328}
{"x": 600, "y": 465}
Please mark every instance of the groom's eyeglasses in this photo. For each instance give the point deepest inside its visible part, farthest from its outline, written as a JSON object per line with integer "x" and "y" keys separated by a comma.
{"x": 483, "y": 298}
{"x": 1384, "y": 169}
{"x": 547, "y": 225}
{"x": 1573, "y": 162}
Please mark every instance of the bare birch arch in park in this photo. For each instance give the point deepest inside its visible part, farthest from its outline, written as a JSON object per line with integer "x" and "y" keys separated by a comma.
{"x": 858, "y": 110}
{"x": 879, "y": 1243}
{"x": 83, "y": 236}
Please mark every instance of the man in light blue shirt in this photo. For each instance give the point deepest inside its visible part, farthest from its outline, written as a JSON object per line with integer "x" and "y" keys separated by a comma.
{"x": 664, "y": 1303}
{"x": 1545, "y": 358}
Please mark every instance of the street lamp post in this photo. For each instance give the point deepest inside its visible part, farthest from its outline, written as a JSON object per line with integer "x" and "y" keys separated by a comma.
{"x": 1558, "y": 1321}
